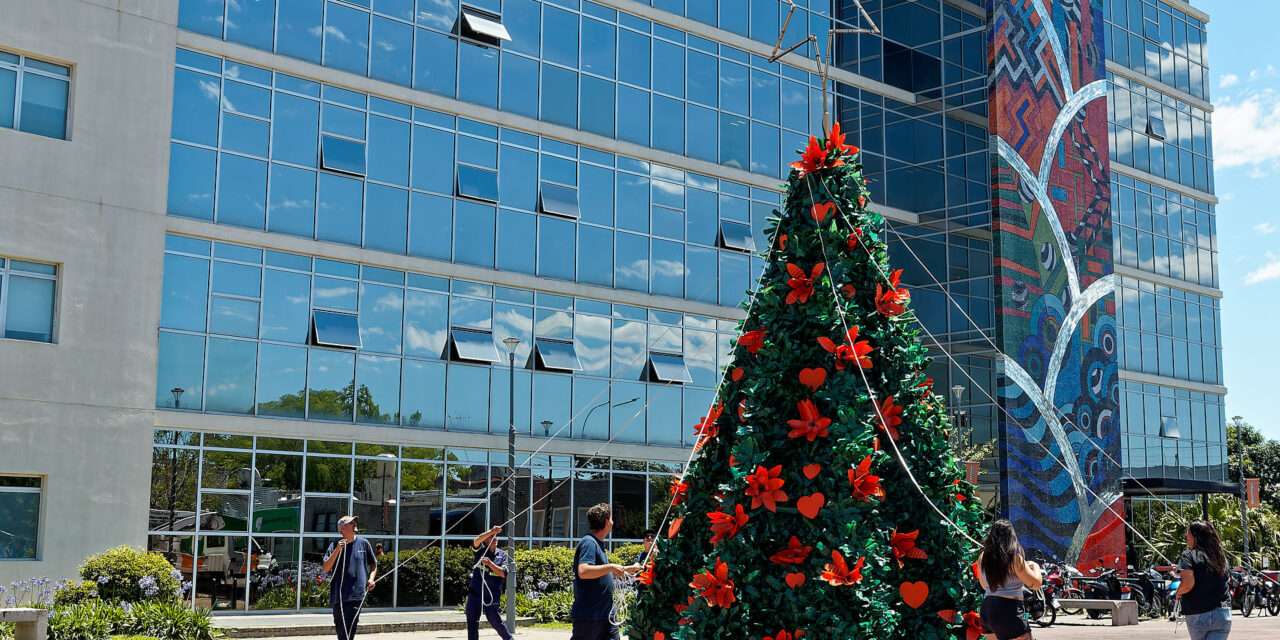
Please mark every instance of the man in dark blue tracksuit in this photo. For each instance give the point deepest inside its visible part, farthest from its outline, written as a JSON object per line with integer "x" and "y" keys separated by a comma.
{"x": 488, "y": 577}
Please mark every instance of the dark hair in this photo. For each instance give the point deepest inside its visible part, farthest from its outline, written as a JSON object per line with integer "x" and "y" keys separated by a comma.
{"x": 650, "y": 533}
{"x": 1208, "y": 542}
{"x": 598, "y": 516}
{"x": 999, "y": 551}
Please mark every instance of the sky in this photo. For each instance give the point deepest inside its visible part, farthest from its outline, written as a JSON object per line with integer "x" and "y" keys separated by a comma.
{"x": 1244, "y": 62}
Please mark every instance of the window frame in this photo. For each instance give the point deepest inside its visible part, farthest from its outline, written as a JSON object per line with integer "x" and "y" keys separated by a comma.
{"x": 21, "y": 69}
{"x": 6, "y": 274}
{"x": 40, "y": 511}
{"x": 654, "y": 370}
{"x": 480, "y": 26}
{"x": 316, "y": 341}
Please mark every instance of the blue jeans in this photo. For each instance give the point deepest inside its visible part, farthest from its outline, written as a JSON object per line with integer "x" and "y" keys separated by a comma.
{"x": 1211, "y": 625}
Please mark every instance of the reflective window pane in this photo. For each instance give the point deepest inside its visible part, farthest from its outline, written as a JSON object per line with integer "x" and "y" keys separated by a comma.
{"x": 426, "y": 320}
{"x": 291, "y": 207}
{"x": 330, "y": 385}
{"x": 378, "y": 390}
{"x": 517, "y": 238}
{"x": 195, "y": 107}
{"x": 338, "y": 215}
{"x": 556, "y": 248}
{"x": 468, "y": 398}
{"x": 381, "y": 314}
{"x": 435, "y": 60}
{"x": 242, "y": 192}
{"x": 282, "y": 381}
{"x": 422, "y": 398}
{"x": 392, "y": 51}
{"x": 232, "y": 364}
{"x": 299, "y": 29}
{"x": 186, "y": 292}
{"x": 474, "y": 234}
{"x": 346, "y": 46}
{"x": 181, "y": 366}
{"x": 386, "y": 218}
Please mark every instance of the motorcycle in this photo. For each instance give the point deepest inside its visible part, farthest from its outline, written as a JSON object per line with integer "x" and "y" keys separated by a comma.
{"x": 1041, "y": 604}
{"x": 1105, "y": 586}
{"x": 1255, "y": 595}
{"x": 1148, "y": 589}
{"x": 1066, "y": 580}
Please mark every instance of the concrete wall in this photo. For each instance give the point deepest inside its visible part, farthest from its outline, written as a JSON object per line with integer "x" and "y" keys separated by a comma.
{"x": 79, "y": 412}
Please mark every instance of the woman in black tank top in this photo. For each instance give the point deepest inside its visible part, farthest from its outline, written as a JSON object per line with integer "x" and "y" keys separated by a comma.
{"x": 1206, "y": 602}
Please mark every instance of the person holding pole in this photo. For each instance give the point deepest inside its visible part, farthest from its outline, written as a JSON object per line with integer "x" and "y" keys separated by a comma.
{"x": 488, "y": 575}
{"x": 353, "y": 566}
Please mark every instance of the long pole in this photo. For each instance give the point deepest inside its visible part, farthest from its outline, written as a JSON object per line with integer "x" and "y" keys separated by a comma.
{"x": 511, "y": 499}
{"x": 1244, "y": 502}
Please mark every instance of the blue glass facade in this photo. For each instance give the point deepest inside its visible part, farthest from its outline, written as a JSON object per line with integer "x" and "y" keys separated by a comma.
{"x": 618, "y": 266}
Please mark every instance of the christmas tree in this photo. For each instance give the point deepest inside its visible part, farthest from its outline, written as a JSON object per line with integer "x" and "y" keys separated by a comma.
{"x": 798, "y": 516}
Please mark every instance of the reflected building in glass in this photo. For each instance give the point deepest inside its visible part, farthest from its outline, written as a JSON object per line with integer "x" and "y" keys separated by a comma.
{"x": 349, "y": 205}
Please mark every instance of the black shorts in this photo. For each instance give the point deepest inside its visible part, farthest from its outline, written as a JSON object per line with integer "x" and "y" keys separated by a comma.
{"x": 1004, "y": 617}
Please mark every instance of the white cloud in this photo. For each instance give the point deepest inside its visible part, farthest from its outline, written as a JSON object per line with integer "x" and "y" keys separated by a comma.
{"x": 1268, "y": 71}
{"x": 1229, "y": 80}
{"x": 1247, "y": 133}
{"x": 1266, "y": 228}
{"x": 1265, "y": 273}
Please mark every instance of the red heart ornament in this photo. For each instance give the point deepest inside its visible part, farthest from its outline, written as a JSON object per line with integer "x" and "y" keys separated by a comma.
{"x": 794, "y": 580}
{"x": 813, "y": 378}
{"x": 820, "y": 211}
{"x": 811, "y": 471}
{"x": 737, "y": 374}
{"x": 914, "y": 593}
{"x": 810, "y": 505}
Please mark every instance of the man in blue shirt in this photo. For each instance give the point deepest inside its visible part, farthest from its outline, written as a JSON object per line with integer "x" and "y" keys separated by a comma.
{"x": 353, "y": 568}
{"x": 488, "y": 576}
{"x": 593, "y": 579}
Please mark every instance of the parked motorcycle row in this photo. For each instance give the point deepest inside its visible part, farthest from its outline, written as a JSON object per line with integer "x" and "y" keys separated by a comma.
{"x": 1153, "y": 589}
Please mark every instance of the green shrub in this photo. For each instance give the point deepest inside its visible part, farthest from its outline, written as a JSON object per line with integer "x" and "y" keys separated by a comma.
{"x": 168, "y": 621}
{"x": 549, "y": 607}
{"x": 458, "y": 561}
{"x": 626, "y": 554}
{"x": 90, "y": 620}
{"x": 125, "y": 574}
{"x": 133, "y": 638}
{"x": 75, "y": 592}
{"x": 6, "y": 631}
{"x": 544, "y": 570}
{"x": 281, "y": 597}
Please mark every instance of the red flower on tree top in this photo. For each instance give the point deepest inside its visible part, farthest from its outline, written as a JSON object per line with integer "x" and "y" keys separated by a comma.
{"x": 904, "y": 546}
{"x": 715, "y": 586}
{"x": 815, "y": 157}
{"x": 853, "y": 349}
{"x": 794, "y": 553}
{"x": 764, "y": 486}
{"x": 891, "y": 412}
{"x": 724, "y": 525}
{"x": 835, "y": 140}
{"x": 752, "y": 341}
{"x": 892, "y": 302}
{"x": 802, "y": 284}
{"x": 811, "y": 425}
{"x": 839, "y": 574}
{"x": 865, "y": 484}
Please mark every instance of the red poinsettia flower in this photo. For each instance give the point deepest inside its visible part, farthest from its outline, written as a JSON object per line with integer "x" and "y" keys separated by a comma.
{"x": 673, "y": 529}
{"x": 782, "y": 242}
{"x": 960, "y": 496}
{"x": 752, "y": 341}
{"x": 972, "y": 626}
{"x": 927, "y": 383}
{"x": 646, "y": 577}
{"x": 848, "y": 291}
{"x": 835, "y": 141}
{"x": 715, "y": 586}
{"x": 839, "y": 574}
{"x": 891, "y": 412}
{"x": 815, "y": 157}
{"x": 853, "y": 350}
{"x": 786, "y": 635}
{"x": 904, "y": 546}
{"x": 865, "y": 484}
{"x": 764, "y": 486}
{"x": 802, "y": 284}
{"x": 794, "y": 553}
{"x": 658, "y": 635}
{"x": 892, "y": 302}
{"x": 678, "y": 492}
{"x": 725, "y": 525}
{"x": 811, "y": 425}
{"x": 855, "y": 238}
{"x": 709, "y": 427}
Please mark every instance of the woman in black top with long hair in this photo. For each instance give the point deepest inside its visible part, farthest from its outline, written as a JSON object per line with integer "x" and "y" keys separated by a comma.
{"x": 1206, "y": 602}
{"x": 1003, "y": 572}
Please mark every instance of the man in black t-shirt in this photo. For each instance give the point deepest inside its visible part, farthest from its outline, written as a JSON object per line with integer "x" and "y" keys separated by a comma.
{"x": 593, "y": 580}
{"x": 353, "y": 567}
{"x": 646, "y": 555}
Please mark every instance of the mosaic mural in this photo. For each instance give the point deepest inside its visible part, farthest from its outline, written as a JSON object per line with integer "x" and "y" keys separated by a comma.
{"x": 1052, "y": 232}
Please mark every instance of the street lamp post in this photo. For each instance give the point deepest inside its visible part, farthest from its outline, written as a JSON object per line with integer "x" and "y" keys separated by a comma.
{"x": 546, "y": 428}
{"x": 173, "y": 469}
{"x": 511, "y": 343}
{"x": 1244, "y": 501}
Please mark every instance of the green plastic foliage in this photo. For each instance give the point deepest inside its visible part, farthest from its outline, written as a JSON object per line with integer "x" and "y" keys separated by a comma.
{"x": 760, "y": 399}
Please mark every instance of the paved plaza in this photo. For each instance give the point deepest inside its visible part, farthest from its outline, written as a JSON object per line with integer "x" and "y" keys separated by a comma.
{"x": 1068, "y": 628}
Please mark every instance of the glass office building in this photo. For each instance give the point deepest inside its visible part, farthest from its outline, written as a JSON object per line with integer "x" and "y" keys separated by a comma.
{"x": 363, "y": 199}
